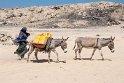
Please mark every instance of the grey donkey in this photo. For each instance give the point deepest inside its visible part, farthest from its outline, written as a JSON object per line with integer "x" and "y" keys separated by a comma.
{"x": 95, "y": 43}
{"x": 54, "y": 44}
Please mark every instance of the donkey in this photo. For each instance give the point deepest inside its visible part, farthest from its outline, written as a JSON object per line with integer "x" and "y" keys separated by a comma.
{"x": 54, "y": 44}
{"x": 95, "y": 43}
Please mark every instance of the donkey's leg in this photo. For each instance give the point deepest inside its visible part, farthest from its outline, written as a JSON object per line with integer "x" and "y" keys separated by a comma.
{"x": 101, "y": 54}
{"x": 80, "y": 53}
{"x": 78, "y": 49}
{"x": 32, "y": 49}
{"x": 76, "y": 53}
{"x": 93, "y": 53}
{"x": 49, "y": 56}
{"x": 56, "y": 55}
{"x": 36, "y": 52}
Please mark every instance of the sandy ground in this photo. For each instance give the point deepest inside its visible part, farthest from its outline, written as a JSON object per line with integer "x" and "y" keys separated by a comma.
{"x": 111, "y": 70}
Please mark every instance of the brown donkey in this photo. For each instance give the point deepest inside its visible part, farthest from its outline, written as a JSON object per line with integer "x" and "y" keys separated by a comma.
{"x": 95, "y": 43}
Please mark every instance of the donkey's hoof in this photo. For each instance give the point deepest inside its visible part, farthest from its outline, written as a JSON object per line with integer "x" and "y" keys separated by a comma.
{"x": 19, "y": 59}
{"x": 48, "y": 61}
{"x": 75, "y": 58}
{"x": 103, "y": 59}
{"x": 64, "y": 61}
{"x": 91, "y": 59}
{"x": 57, "y": 61}
{"x": 80, "y": 59}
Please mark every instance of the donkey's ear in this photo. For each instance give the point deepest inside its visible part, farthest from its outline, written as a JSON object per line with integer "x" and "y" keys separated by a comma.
{"x": 113, "y": 38}
{"x": 66, "y": 39}
{"x": 62, "y": 37}
{"x": 62, "y": 41}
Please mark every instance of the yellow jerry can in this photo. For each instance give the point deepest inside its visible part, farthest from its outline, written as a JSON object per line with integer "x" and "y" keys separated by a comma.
{"x": 42, "y": 38}
{"x": 39, "y": 39}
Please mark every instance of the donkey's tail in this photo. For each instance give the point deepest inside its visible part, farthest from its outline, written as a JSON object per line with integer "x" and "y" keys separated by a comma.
{"x": 74, "y": 45}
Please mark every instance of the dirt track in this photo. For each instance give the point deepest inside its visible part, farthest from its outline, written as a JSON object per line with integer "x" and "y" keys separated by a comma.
{"x": 74, "y": 71}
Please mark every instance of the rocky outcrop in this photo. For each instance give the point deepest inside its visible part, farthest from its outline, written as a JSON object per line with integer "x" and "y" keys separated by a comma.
{"x": 66, "y": 16}
{"x": 5, "y": 39}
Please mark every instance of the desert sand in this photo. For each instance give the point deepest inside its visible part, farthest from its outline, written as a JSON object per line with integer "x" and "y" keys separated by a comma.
{"x": 111, "y": 70}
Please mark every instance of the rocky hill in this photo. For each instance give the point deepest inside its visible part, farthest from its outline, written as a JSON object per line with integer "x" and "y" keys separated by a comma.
{"x": 64, "y": 16}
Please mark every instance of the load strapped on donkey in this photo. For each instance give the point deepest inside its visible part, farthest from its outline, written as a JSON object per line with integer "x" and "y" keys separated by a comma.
{"x": 43, "y": 40}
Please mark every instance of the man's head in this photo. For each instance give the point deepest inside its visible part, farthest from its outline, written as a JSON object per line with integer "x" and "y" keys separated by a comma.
{"x": 24, "y": 29}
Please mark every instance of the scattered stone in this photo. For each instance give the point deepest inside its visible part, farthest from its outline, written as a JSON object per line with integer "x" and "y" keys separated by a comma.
{"x": 5, "y": 39}
{"x": 97, "y": 34}
{"x": 122, "y": 27}
{"x": 69, "y": 16}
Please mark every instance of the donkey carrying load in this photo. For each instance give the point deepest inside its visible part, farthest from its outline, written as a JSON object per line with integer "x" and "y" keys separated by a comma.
{"x": 95, "y": 43}
{"x": 52, "y": 47}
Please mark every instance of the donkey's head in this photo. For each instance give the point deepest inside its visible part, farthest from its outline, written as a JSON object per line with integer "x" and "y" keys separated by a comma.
{"x": 63, "y": 44}
{"x": 111, "y": 44}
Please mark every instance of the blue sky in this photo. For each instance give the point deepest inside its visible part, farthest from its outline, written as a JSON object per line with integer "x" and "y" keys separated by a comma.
{"x": 29, "y": 3}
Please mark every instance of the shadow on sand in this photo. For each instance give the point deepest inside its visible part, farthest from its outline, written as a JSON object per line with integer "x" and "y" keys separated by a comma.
{"x": 46, "y": 60}
{"x": 93, "y": 59}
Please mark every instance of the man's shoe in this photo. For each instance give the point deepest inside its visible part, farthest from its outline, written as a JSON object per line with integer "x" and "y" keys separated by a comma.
{"x": 15, "y": 52}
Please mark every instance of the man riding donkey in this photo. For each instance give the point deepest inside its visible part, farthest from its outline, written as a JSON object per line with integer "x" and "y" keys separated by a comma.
{"x": 21, "y": 41}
